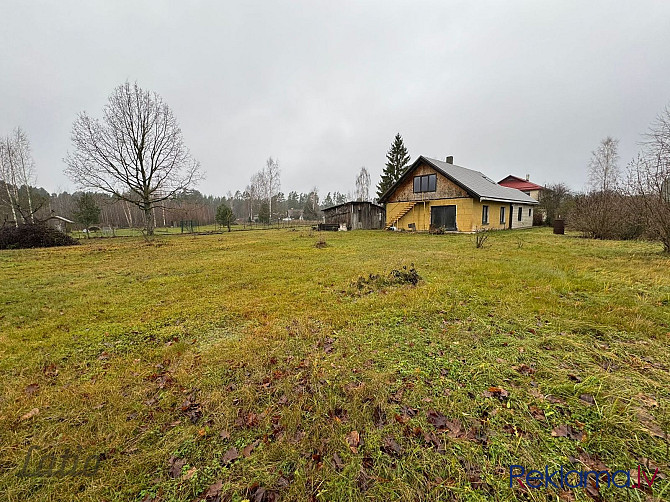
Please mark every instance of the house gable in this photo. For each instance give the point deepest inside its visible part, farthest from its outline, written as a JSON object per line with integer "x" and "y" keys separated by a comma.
{"x": 404, "y": 191}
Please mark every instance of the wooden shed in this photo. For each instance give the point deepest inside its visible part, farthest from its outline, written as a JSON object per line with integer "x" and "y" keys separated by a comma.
{"x": 356, "y": 215}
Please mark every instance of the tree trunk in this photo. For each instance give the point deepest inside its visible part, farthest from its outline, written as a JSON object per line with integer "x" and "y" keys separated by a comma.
{"x": 149, "y": 220}
{"x": 11, "y": 204}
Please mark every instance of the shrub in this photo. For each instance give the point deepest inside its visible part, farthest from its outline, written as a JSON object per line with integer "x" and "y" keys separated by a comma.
{"x": 33, "y": 236}
{"x": 606, "y": 215}
{"x": 481, "y": 235}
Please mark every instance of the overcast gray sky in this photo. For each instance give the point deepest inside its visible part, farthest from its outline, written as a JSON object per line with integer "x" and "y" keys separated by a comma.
{"x": 504, "y": 87}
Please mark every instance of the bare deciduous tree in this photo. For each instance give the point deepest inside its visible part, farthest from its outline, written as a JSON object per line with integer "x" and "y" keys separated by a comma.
{"x": 648, "y": 180}
{"x": 555, "y": 201}
{"x": 17, "y": 172}
{"x": 136, "y": 152}
{"x": 363, "y": 185}
{"x": 604, "y": 168}
{"x": 271, "y": 174}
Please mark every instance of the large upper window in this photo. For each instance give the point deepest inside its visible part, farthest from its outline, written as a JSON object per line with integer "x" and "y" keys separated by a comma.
{"x": 427, "y": 183}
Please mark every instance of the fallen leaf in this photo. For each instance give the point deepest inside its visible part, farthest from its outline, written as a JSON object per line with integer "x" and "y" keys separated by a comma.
{"x": 525, "y": 369}
{"x": 30, "y": 414}
{"x": 593, "y": 491}
{"x": 391, "y": 447}
{"x": 497, "y": 392}
{"x": 401, "y": 419}
{"x": 538, "y": 413}
{"x": 337, "y": 461}
{"x": 353, "y": 440}
{"x": 50, "y": 370}
{"x": 650, "y": 424}
{"x": 230, "y": 456}
{"x": 436, "y": 419}
{"x": 224, "y": 434}
{"x": 568, "y": 431}
{"x": 191, "y": 408}
{"x": 283, "y": 482}
{"x": 32, "y": 389}
{"x": 175, "y": 465}
{"x": 587, "y": 398}
{"x": 189, "y": 474}
{"x": 431, "y": 438}
{"x": 364, "y": 480}
{"x": 249, "y": 448}
{"x": 574, "y": 378}
{"x": 379, "y": 417}
{"x": 261, "y": 494}
{"x": 214, "y": 491}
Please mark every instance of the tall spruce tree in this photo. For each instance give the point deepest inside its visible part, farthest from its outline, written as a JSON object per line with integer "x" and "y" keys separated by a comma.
{"x": 397, "y": 158}
{"x": 87, "y": 212}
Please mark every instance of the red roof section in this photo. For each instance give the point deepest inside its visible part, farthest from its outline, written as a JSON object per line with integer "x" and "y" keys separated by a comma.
{"x": 519, "y": 183}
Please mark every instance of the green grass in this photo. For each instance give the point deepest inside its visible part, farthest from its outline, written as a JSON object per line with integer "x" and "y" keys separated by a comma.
{"x": 270, "y": 338}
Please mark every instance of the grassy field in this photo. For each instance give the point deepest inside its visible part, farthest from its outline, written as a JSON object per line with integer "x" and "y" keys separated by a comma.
{"x": 257, "y": 365}
{"x": 198, "y": 229}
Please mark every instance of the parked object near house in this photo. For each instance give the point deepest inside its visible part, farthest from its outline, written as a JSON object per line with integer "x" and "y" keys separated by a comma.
{"x": 559, "y": 226}
{"x": 525, "y": 185}
{"x": 437, "y": 194}
{"x": 356, "y": 215}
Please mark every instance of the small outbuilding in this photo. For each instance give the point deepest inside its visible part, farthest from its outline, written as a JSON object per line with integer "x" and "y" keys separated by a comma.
{"x": 356, "y": 215}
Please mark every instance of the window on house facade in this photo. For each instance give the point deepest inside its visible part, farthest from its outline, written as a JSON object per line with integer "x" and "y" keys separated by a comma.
{"x": 426, "y": 183}
{"x": 502, "y": 214}
{"x": 485, "y": 215}
{"x": 520, "y": 214}
{"x": 530, "y": 212}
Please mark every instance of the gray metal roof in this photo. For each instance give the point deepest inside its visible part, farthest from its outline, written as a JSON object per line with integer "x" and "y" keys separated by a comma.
{"x": 475, "y": 183}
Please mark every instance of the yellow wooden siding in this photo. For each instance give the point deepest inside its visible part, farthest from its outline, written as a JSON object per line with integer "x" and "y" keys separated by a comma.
{"x": 468, "y": 214}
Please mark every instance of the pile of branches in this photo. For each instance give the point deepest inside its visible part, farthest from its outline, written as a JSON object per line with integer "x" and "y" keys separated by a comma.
{"x": 33, "y": 235}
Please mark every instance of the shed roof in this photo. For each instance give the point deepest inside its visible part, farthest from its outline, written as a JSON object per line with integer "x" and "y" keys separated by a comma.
{"x": 477, "y": 184}
{"x": 352, "y": 202}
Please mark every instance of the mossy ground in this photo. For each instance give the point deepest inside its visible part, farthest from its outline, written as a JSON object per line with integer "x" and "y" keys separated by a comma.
{"x": 186, "y": 347}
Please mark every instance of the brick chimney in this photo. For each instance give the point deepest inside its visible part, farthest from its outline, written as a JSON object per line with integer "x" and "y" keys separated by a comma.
{"x": 528, "y": 177}
{"x": 450, "y": 159}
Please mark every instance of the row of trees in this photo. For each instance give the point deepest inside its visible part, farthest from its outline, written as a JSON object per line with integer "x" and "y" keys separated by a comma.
{"x": 134, "y": 162}
{"x": 621, "y": 203}
{"x": 191, "y": 206}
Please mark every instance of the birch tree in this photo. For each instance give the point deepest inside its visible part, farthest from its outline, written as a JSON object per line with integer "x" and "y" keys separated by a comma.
{"x": 136, "y": 152}
{"x": 17, "y": 172}
{"x": 363, "y": 185}
{"x": 604, "y": 168}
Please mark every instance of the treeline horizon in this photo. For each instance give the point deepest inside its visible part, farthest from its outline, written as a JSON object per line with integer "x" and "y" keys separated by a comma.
{"x": 191, "y": 206}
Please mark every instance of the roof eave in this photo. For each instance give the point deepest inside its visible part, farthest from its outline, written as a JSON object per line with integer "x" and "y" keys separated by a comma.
{"x": 516, "y": 201}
